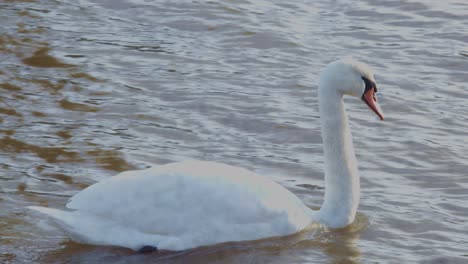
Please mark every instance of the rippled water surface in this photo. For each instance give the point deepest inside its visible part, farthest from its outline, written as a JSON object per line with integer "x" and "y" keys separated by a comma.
{"x": 91, "y": 88}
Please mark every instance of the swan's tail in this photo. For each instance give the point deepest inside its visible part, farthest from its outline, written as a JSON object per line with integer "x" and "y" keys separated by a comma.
{"x": 64, "y": 219}
{"x": 88, "y": 228}
{"x": 54, "y": 213}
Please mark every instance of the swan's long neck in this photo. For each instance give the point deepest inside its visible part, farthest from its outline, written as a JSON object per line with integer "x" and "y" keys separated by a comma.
{"x": 341, "y": 173}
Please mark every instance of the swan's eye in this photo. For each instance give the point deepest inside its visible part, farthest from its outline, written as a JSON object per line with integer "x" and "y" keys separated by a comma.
{"x": 369, "y": 84}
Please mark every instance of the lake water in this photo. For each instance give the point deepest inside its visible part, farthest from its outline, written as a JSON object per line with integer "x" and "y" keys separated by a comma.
{"x": 91, "y": 88}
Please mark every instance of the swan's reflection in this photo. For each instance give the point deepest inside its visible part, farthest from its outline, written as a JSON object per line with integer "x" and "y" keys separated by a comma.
{"x": 313, "y": 245}
{"x": 339, "y": 244}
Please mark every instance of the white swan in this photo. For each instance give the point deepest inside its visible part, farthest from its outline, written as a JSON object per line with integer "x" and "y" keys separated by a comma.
{"x": 194, "y": 203}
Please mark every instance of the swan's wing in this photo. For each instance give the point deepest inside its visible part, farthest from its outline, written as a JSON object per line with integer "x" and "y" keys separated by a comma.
{"x": 198, "y": 202}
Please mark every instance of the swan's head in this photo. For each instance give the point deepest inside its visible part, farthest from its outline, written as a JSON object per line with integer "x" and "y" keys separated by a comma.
{"x": 353, "y": 78}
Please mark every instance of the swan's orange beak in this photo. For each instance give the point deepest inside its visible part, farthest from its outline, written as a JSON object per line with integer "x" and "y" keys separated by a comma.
{"x": 370, "y": 99}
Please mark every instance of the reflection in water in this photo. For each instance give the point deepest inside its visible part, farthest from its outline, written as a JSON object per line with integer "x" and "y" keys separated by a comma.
{"x": 110, "y": 160}
{"x": 8, "y": 111}
{"x": 22, "y": 28}
{"x": 78, "y": 75}
{"x": 49, "y": 154}
{"x": 65, "y": 134}
{"x": 339, "y": 245}
{"x": 41, "y": 58}
{"x": 54, "y": 88}
{"x": 342, "y": 247}
{"x": 10, "y": 87}
{"x": 65, "y": 104}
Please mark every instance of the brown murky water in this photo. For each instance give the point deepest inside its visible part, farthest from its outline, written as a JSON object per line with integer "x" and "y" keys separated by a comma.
{"x": 91, "y": 88}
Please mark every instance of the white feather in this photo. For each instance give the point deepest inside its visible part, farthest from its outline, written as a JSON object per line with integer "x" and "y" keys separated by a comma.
{"x": 181, "y": 205}
{"x": 194, "y": 203}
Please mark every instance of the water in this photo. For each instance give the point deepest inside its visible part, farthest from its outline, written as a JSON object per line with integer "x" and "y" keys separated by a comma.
{"x": 91, "y": 88}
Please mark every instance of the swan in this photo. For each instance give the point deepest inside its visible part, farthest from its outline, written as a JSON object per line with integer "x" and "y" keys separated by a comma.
{"x": 188, "y": 204}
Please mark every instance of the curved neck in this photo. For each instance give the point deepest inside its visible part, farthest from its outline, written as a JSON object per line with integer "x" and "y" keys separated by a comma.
{"x": 341, "y": 173}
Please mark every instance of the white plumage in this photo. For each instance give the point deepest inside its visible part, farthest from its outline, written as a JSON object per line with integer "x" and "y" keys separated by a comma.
{"x": 195, "y": 203}
{"x": 181, "y": 205}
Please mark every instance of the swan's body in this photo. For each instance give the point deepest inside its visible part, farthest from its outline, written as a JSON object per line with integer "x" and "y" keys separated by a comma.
{"x": 182, "y": 205}
{"x": 194, "y": 203}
